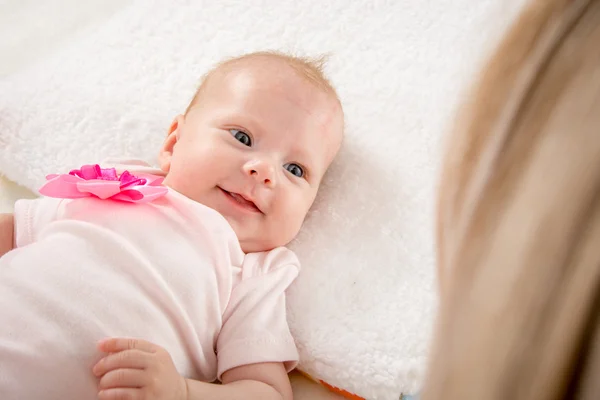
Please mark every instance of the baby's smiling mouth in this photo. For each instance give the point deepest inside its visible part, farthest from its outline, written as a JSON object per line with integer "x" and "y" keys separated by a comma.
{"x": 242, "y": 201}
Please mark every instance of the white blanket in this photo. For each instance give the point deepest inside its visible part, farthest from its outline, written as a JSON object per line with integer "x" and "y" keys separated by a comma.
{"x": 363, "y": 307}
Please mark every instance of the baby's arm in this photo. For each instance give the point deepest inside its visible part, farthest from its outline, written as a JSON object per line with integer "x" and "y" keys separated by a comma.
{"x": 255, "y": 381}
{"x": 137, "y": 369}
{"x": 7, "y": 233}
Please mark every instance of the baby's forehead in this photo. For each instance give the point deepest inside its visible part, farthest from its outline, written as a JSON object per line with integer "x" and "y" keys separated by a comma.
{"x": 268, "y": 69}
{"x": 260, "y": 72}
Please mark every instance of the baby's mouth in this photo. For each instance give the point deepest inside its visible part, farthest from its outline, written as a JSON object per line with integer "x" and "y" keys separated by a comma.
{"x": 242, "y": 201}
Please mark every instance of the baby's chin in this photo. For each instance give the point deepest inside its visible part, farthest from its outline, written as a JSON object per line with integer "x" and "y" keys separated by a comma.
{"x": 258, "y": 246}
{"x": 253, "y": 244}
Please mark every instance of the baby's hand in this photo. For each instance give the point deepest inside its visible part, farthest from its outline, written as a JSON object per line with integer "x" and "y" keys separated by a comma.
{"x": 135, "y": 369}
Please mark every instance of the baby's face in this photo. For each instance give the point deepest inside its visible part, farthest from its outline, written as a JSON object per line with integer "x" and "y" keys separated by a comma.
{"x": 255, "y": 149}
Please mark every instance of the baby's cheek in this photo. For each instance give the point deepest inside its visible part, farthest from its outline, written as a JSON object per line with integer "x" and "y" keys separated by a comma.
{"x": 292, "y": 222}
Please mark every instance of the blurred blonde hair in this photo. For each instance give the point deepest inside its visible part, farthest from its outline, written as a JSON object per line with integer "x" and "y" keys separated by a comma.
{"x": 519, "y": 219}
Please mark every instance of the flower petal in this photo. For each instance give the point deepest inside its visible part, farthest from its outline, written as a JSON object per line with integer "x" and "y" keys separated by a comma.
{"x": 133, "y": 196}
{"x": 127, "y": 180}
{"x": 99, "y": 188}
{"x": 109, "y": 174}
{"x": 87, "y": 172}
{"x": 63, "y": 187}
{"x": 142, "y": 194}
{"x": 156, "y": 181}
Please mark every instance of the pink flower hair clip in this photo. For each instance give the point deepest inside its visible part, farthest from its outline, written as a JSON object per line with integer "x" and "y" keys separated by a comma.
{"x": 104, "y": 183}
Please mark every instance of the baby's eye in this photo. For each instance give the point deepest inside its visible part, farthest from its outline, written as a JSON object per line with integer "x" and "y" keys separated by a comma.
{"x": 294, "y": 169}
{"x": 241, "y": 137}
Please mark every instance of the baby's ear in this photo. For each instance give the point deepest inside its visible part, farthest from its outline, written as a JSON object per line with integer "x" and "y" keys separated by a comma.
{"x": 168, "y": 147}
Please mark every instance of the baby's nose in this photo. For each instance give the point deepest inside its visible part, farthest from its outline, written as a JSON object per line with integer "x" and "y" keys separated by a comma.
{"x": 262, "y": 171}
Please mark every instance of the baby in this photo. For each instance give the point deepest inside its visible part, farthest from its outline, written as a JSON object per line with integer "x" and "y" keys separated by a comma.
{"x": 113, "y": 300}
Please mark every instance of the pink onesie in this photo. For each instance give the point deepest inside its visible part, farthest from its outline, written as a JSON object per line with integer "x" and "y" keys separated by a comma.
{"x": 170, "y": 271}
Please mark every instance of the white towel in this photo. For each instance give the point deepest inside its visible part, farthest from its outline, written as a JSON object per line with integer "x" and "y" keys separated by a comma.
{"x": 363, "y": 307}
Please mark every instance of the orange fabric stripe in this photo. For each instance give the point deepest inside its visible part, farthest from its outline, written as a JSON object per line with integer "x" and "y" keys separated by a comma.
{"x": 341, "y": 392}
{"x": 334, "y": 389}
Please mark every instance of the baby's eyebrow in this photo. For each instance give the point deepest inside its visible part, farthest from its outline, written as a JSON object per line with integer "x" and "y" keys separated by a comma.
{"x": 302, "y": 155}
{"x": 247, "y": 121}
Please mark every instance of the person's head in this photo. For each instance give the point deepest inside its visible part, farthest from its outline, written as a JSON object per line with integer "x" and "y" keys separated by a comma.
{"x": 519, "y": 219}
{"x": 255, "y": 143}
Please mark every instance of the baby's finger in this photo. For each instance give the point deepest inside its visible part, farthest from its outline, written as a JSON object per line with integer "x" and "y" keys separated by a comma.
{"x": 134, "y": 359}
{"x": 123, "y": 378}
{"x": 114, "y": 345}
{"x": 121, "y": 394}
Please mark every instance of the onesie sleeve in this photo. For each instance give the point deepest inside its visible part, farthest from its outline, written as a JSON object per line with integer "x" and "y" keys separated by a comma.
{"x": 32, "y": 216}
{"x": 255, "y": 328}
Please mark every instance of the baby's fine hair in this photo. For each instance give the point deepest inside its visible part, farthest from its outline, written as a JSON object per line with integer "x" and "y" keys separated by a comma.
{"x": 310, "y": 68}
